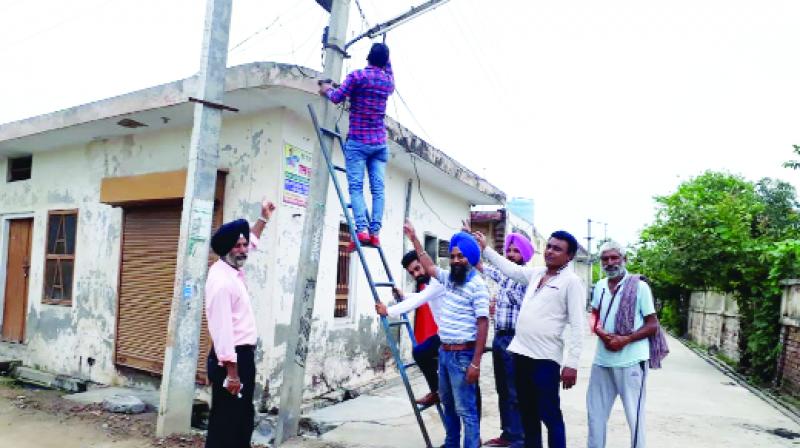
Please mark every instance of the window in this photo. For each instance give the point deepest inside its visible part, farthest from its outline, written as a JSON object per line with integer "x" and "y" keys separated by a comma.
{"x": 60, "y": 257}
{"x": 343, "y": 273}
{"x": 432, "y": 247}
{"x": 19, "y": 168}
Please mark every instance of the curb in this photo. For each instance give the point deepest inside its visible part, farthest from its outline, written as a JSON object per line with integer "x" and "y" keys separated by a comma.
{"x": 767, "y": 397}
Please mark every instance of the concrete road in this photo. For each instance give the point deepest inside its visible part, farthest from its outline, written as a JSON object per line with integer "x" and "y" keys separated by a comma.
{"x": 690, "y": 404}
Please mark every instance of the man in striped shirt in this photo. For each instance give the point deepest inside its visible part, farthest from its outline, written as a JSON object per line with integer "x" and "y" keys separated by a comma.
{"x": 463, "y": 325}
{"x": 368, "y": 90}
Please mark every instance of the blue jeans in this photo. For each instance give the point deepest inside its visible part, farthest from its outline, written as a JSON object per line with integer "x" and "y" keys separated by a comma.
{"x": 505, "y": 380}
{"x": 359, "y": 156}
{"x": 459, "y": 399}
{"x": 538, "y": 382}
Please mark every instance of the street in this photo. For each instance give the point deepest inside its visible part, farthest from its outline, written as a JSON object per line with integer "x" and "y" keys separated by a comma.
{"x": 690, "y": 404}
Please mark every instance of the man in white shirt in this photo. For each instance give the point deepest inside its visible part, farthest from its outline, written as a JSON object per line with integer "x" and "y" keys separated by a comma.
{"x": 555, "y": 297}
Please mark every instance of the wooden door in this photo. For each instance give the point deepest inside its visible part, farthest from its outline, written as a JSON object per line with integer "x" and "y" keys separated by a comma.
{"x": 17, "y": 269}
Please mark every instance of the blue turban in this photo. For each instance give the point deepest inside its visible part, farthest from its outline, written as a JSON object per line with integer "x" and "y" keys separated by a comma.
{"x": 467, "y": 245}
{"x": 228, "y": 234}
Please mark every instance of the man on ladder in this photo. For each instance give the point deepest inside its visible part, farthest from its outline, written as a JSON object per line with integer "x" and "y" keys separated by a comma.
{"x": 368, "y": 90}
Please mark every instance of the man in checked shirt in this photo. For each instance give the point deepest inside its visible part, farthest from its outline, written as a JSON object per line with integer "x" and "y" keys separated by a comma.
{"x": 505, "y": 308}
{"x": 368, "y": 90}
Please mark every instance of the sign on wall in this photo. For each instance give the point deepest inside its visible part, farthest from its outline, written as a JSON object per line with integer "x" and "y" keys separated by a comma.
{"x": 296, "y": 175}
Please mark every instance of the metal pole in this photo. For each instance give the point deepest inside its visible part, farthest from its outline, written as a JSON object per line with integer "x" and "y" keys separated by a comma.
{"x": 589, "y": 260}
{"x": 294, "y": 368}
{"x": 183, "y": 335}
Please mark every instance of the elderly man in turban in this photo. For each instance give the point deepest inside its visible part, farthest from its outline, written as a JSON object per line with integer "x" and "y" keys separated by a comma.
{"x": 232, "y": 326}
{"x": 463, "y": 324}
{"x": 505, "y": 307}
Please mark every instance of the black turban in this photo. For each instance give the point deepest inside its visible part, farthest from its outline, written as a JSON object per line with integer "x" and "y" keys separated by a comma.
{"x": 228, "y": 234}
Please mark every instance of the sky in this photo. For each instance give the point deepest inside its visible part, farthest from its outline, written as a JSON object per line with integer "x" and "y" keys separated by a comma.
{"x": 589, "y": 108}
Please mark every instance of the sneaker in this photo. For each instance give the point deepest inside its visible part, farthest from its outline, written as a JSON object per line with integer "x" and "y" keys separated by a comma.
{"x": 374, "y": 240}
{"x": 498, "y": 441}
{"x": 363, "y": 238}
{"x": 429, "y": 399}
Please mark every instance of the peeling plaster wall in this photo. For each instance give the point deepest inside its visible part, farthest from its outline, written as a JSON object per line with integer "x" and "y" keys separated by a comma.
{"x": 344, "y": 351}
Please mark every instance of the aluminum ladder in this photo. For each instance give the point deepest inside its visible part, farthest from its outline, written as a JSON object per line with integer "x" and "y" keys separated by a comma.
{"x": 387, "y": 325}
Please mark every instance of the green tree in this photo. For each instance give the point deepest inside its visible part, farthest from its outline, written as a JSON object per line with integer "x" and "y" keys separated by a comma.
{"x": 720, "y": 232}
{"x": 794, "y": 164}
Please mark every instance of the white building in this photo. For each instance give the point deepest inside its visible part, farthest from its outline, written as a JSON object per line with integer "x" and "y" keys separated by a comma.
{"x": 90, "y": 216}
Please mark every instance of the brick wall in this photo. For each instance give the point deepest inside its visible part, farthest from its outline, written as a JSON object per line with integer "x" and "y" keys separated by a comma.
{"x": 790, "y": 375}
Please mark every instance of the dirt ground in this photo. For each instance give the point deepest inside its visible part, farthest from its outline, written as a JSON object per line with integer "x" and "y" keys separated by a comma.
{"x": 40, "y": 418}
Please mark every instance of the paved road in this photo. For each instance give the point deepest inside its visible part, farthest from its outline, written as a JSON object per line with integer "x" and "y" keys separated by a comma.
{"x": 691, "y": 404}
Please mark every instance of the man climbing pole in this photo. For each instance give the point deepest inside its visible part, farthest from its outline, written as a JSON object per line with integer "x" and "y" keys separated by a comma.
{"x": 368, "y": 90}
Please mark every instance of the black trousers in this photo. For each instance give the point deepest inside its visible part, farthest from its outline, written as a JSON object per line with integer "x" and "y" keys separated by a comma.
{"x": 231, "y": 420}
{"x": 426, "y": 354}
{"x": 538, "y": 384}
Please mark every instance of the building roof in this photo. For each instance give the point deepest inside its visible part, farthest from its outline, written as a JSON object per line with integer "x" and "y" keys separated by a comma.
{"x": 250, "y": 88}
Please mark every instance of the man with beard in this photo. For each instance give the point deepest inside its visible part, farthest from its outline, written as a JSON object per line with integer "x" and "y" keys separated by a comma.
{"x": 629, "y": 342}
{"x": 507, "y": 302}
{"x": 232, "y": 327}
{"x": 463, "y": 325}
{"x": 554, "y": 298}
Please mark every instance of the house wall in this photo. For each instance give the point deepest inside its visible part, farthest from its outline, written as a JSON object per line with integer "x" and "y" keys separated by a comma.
{"x": 344, "y": 352}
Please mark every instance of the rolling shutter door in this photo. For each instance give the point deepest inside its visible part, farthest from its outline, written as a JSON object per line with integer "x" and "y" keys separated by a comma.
{"x": 147, "y": 275}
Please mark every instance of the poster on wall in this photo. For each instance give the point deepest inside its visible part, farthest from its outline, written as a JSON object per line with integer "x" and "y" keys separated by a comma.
{"x": 296, "y": 175}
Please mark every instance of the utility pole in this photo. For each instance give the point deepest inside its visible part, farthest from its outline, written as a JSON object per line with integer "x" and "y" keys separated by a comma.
{"x": 589, "y": 261}
{"x": 180, "y": 359}
{"x": 294, "y": 369}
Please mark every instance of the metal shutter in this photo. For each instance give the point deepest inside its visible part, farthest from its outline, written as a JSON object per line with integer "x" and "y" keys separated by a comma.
{"x": 147, "y": 275}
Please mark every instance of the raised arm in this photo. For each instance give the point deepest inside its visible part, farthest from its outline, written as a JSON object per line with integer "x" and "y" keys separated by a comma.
{"x": 267, "y": 208}
{"x": 520, "y": 274}
{"x": 424, "y": 258}
{"x": 337, "y": 95}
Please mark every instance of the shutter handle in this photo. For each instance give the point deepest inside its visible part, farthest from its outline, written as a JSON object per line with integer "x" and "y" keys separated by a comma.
{"x": 26, "y": 267}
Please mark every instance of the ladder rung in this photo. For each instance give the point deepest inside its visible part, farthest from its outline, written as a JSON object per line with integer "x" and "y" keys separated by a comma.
{"x": 339, "y": 168}
{"x": 411, "y": 364}
{"x": 331, "y": 133}
{"x": 397, "y": 323}
{"x": 383, "y": 284}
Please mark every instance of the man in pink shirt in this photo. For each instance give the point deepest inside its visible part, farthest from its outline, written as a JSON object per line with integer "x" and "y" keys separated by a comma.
{"x": 232, "y": 326}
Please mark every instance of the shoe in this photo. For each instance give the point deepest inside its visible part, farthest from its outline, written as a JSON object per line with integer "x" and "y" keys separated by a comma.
{"x": 374, "y": 240}
{"x": 429, "y": 399}
{"x": 363, "y": 238}
{"x": 498, "y": 441}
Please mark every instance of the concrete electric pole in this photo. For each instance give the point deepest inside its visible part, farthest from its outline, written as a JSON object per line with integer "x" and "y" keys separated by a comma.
{"x": 294, "y": 369}
{"x": 180, "y": 359}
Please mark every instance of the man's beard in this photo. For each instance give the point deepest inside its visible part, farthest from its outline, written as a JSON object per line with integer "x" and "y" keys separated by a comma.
{"x": 237, "y": 261}
{"x": 614, "y": 271}
{"x": 458, "y": 273}
{"x": 422, "y": 280}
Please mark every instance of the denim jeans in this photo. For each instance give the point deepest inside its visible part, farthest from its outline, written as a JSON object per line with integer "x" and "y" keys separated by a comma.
{"x": 358, "y": 157}
{"x": 459, "y": 399}
{"x": 505, "y": 380}
{"x": 538, "y": 383}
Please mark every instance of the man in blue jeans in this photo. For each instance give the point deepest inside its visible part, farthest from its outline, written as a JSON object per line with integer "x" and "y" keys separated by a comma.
{"x": 463, "y": 325}
{"x": 368, "y": 90}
